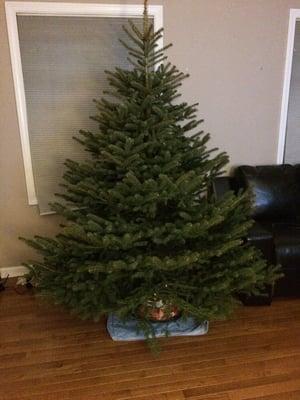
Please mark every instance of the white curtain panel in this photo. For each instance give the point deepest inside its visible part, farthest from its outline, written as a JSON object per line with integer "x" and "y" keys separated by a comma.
{"x": 63, "y": 62}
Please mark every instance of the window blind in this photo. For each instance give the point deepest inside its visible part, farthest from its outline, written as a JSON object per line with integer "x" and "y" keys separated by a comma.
{"x": 292, "y": 146}
{"x": 63, "y": 63}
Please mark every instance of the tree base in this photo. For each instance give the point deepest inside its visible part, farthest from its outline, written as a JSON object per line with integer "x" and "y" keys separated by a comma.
{"x": 128, "y": 330}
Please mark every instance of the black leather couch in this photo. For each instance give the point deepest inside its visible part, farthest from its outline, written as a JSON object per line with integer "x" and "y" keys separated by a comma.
{"x": 276, "y": 211}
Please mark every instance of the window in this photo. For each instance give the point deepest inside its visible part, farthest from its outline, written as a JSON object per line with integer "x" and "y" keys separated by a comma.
{"x": 59, "y": 55}
{"x": 289, "y": 140}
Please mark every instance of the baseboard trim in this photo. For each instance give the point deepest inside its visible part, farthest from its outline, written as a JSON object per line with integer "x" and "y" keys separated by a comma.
{"x": 13, "y": 272}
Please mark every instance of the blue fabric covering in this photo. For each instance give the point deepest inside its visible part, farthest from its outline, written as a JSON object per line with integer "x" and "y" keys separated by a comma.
{"x": 120, "y": 330}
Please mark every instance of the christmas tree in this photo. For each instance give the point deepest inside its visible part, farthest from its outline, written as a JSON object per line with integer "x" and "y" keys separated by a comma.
{"x": 141, "y": 224}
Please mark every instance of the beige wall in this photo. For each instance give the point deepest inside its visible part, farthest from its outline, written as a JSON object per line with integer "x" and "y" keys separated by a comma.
{"x": 235, "y": 53}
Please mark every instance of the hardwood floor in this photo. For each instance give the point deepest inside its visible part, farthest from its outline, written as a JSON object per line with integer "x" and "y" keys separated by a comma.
{"x": 46, "y": 354}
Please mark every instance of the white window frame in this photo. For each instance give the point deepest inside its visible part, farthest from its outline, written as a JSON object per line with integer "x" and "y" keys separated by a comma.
{"x": 13, "y": 9}
{"x": 294, "y": 17}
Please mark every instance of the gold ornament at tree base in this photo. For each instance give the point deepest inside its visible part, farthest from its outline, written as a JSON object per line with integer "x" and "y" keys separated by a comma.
{"x": 158, "y": 311}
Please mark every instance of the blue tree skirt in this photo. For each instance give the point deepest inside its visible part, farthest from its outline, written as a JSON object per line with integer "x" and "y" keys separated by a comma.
{"x": 128, "y": 330}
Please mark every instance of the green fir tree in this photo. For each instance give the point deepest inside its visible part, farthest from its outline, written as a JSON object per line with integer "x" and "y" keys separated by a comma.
{"x": 140, "y": 222}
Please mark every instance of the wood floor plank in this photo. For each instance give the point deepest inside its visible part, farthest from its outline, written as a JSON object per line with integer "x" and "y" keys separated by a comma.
{"x": 290, "y": 395}
{"x": 45, "y": 371}
{"x": 274, "y": 391}
{"x": 46, "y": 354}
{"x": 281, "y": 389}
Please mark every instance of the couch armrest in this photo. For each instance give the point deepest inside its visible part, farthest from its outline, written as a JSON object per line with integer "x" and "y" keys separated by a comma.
{"x": 261, "y": 236}
{"x": 221, "y": 185}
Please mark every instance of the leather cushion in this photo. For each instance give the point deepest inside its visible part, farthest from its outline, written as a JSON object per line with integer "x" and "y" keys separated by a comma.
{"x": 275, "y": 189}
{"x": 287, "y": 245}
